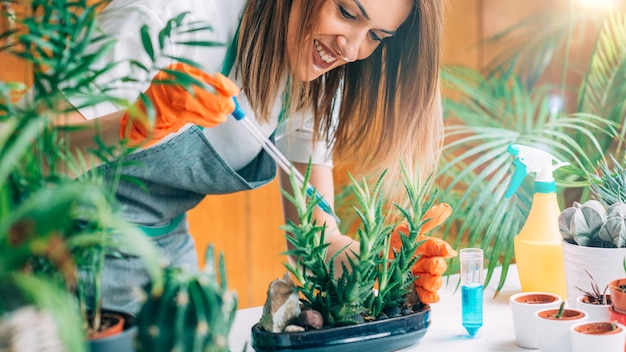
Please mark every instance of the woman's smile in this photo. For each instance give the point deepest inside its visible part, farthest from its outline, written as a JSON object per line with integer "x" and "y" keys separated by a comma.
{"x": 323, "y": 58}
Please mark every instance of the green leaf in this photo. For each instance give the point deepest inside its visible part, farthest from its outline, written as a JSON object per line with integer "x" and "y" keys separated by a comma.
{"x": 147, "y": 42}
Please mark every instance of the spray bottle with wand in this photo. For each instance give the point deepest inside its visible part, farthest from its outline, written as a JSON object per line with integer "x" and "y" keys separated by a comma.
{"x": 538, "y": 246}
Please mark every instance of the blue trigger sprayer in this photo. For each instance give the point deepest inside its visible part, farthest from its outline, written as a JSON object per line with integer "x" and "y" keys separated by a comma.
{"x": 280, "y": 159}
{"x": 538, "y": 246}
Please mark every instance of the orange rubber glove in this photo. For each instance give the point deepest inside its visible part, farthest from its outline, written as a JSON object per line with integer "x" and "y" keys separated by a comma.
{"x": 175, "y": 106}
{"x": 433, "y": 253}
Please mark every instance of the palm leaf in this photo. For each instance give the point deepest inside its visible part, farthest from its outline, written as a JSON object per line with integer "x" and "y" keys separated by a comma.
{"x": 475, "y": 163}
{"x": 602, "y": 92}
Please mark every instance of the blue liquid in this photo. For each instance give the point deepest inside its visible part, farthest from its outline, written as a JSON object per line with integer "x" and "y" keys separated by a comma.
{"x": 472, "y": 298}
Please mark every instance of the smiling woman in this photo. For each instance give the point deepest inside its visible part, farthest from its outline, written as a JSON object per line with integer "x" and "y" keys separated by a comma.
{"x": 345, "y": 32}
{"x": 338, "y": 71}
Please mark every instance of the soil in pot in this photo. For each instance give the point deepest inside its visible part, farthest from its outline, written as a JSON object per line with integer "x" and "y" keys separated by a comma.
{"x": 536, "y": 298}
{"x": 123, "y": 341}
{"x": 598, "y": 328}
{"x": 596, "y": 310}
{"x": 595, "y": 301}
{"x": 111, "y": 324}
{"x": 568, "y": 314}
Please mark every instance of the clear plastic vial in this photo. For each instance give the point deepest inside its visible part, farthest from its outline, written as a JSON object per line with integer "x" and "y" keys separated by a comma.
{"x": 472, "y": 289}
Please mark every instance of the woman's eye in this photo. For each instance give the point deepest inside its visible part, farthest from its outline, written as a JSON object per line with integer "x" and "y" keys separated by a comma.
{"x": 345, "y": 13}
{"x": 375, "y": 37}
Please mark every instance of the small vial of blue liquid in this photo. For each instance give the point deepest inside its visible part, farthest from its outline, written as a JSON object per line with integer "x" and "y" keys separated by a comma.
{"x": 472, "y": 289}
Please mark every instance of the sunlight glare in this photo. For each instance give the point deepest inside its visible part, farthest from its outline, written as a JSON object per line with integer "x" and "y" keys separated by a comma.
{"x": 598, "y": 4}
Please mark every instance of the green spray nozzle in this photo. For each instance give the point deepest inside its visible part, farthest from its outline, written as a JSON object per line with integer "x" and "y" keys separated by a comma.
{"x": 527, "y": 160}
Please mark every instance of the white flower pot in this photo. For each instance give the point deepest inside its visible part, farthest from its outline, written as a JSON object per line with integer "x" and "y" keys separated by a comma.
{"x": 524, "y": 305}
{"x": 604, "y": 264}
{"x": 611, "y": 341}
{"x": 554, "y": 334}
{"x": 596, "y": 312}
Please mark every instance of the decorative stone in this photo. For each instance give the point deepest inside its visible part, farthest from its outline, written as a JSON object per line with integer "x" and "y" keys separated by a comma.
{"x": 310, "y": 319}
{"x": 294, "y": 328}
{"x": 282, "y": 305}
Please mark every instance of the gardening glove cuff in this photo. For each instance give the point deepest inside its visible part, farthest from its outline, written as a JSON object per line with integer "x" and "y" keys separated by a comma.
{"x": 206, "y": 102}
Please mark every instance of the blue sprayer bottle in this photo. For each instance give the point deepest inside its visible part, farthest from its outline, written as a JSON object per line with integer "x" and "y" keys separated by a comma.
{"x": 538, "y": 246}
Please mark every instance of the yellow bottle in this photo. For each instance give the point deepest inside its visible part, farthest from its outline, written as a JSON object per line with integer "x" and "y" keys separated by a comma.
{"x": 538, "y": 246}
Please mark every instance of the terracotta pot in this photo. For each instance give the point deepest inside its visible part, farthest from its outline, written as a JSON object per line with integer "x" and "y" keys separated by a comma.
{"x": 112, "y": 324}
{"x": 524, "y": 305}
{"x": 618, "y": 298}
{"x": 554, "y": 333}
{"x": 120, "y": 342}
{"x": 596, "y": 311}
{"x": 616, "y": 316}
{"x": 597, "y": 336}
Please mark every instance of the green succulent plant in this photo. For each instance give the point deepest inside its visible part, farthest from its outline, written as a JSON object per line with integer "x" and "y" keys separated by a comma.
{"x": 590, "y": 224}
{"x": 340, "y": 298}
{"x": 192, "y": 312}
{"x": 610, "y": 187}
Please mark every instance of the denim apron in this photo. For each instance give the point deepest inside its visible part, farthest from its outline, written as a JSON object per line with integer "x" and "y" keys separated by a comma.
{"x": 158, "y": 185}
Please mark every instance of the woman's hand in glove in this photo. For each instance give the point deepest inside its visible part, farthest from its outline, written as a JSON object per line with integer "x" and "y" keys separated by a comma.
{"x": 174, "y": 105}
{"x": 432, "y": 253}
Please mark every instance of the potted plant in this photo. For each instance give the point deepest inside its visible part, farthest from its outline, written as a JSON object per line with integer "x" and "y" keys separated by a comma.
{"x": 191, "y": 312}
{"x": 524, "y": 305}
{"x": 44, "y": 248}
{"x": 374, "y": 292}
{"x": 595, "y": 302}
{"x": 542, "y": 88}
{"x": 594, "y": 236}
{"x": 603, "y": 336}
{"x": 553, "y": 327}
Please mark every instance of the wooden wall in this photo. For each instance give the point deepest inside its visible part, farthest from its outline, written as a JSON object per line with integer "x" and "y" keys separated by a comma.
{"x": 245, "y": 226}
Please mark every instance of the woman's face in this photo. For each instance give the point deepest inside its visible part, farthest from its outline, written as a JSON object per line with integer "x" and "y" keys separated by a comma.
{"x": 347, "y": 30}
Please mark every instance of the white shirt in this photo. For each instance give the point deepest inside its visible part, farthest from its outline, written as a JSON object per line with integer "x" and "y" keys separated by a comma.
{"x": 123, "y": 19}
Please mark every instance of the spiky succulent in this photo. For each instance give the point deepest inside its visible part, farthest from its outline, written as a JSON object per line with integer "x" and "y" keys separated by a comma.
{"x": 340, "y": 298}
{"x": 611, "y": 186}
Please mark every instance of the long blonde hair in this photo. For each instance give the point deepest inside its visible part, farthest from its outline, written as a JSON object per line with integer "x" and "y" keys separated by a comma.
{"x": 390, "y": 106}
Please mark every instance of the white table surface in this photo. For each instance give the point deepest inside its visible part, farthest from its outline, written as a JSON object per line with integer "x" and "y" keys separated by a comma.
{"x": 445, "y": 332}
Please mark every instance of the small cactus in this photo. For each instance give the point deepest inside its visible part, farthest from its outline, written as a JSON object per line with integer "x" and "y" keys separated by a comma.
{"x": 581, "y": 223}
{"x": 193, "y": 312}
{"x": 614, "y": 230}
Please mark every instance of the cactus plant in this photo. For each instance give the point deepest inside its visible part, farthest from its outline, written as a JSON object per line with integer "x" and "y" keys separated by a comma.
{"x": 193, "y": 311}
{"x": 581, "y": 223}
{"x": 590, "y": 224}
{"x": 341, "y": 300}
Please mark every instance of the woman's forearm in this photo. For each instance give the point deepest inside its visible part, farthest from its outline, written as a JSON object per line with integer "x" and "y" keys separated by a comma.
{"x": 321, "y": 179}
{"x": 83, "y": 135}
